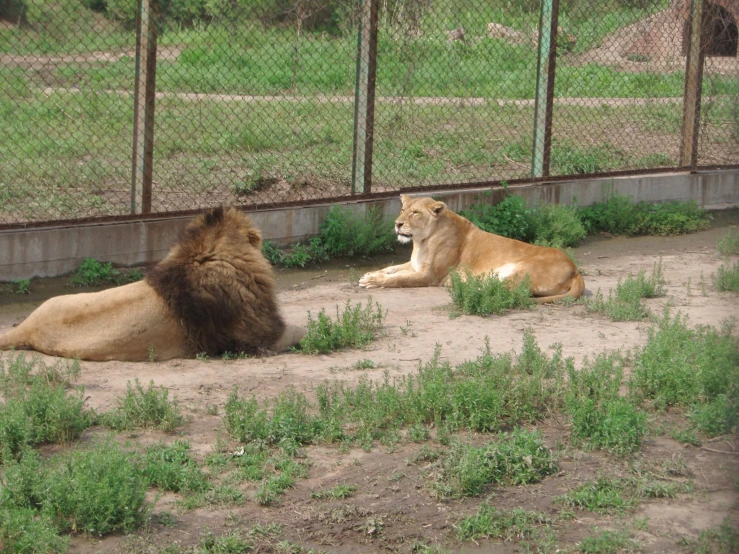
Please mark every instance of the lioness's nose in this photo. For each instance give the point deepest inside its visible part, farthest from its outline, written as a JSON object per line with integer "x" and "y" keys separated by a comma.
{"x": 398, "y": 224}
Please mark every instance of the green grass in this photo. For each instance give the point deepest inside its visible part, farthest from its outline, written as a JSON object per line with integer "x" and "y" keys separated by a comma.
{"x": 491, "y": 522}
{"x": 602, "y": 496}
{"x": 723, "y": 539}
{"x": 93, "y": 491}
{"x": 625, "y": 304}
{"x": 38, "y": 408}
{"x": 728, "y": 245}
{"x": 696, "y": 369}
{"x": 93, "y": 273}
{"x": 19, "y": 286}
{"x": 338, "y": 492}
{"x": 608, "y": 542}
{"x": 487, "y": 294}
{"x": 171, "y": 468}
{"x": 354, "y": 327}
{"x": 144, "y": 408}
{"x": 518, "y": 458}
{"x": 727, "y": 278}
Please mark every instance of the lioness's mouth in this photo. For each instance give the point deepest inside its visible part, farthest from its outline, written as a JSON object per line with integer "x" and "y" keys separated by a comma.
{"x": 405, "y": 237}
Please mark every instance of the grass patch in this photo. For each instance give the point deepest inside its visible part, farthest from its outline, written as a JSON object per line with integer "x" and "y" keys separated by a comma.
{"x": 338, "y": 492}
{"x": 93, "y": 273}
{"x": 727, "y": 278}
{"x": 38, "y": 408}
{"x": 626, "y": 303}
{"x": 19, "y": 286}
{"x": 601, "y": 418}
{"x": 720, "y": 540}
{"x": 490, "y": 522}
{"x": 354, "y": 327}
{"x": 487, "y": 294}
{"x": 171, "y": 468}
{"x": 608, "y": 542}
{"x": 144, "y": 408}
{"x": 696, "y": 369}
{"x": 602, "y": 496}
{"x": 728, "y": 245}
{"x": 516, "y": 458}
{"x": 93, "y": 491}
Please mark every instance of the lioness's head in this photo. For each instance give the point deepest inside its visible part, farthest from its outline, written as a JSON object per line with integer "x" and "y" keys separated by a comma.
{"x": 418, "y": 218}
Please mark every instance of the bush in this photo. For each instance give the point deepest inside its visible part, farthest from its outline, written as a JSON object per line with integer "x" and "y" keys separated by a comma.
{"x": 354, "y": 327}
{"x": 557, "y": 226}
{"x": 172, "y": 469}
{"x": 626, "y": 304}
{"x": 509, "y": 218}
{"x": 142, "y": 408}
{"x": 345, "y": 234}
{"x": 727, "y": 278}
{"x": 93, "y": 273}
{"x": 482, "y": 295}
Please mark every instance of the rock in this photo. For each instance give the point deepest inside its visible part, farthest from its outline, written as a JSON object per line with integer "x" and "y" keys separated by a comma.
{"x": 456, "y": 34}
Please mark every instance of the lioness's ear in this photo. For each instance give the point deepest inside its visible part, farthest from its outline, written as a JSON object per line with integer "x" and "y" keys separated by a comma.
{"x": 254, "y": 236}
{"x": 438, "y": 207}
{"x": 404, "y": 199}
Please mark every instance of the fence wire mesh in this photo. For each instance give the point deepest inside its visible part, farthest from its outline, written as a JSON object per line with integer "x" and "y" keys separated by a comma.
{"x": 266, "y": 101}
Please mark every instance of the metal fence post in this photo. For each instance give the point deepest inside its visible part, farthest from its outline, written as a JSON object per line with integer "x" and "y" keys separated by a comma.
{"x": 143, "y": 107}
{"x": 545, "y": 73}
{"x": 364, "y": 97}
{"x": 693, "y": 86}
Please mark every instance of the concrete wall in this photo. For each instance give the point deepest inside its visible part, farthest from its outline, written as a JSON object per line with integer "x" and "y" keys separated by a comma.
{"x": 52, "y": 251}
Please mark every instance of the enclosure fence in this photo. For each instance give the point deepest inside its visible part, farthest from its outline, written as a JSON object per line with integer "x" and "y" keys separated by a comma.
{"x": 120, "y": 107}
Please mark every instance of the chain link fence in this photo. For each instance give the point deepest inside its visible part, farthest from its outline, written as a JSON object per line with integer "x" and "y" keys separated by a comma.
{"x": 114, "y": 107}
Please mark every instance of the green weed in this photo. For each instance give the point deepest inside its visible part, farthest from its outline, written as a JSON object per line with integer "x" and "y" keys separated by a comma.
{"x": 608, "y": 542}
{"x": 517, "y": 458}
{"x": 93, "y": 273}
{"x": 728, "y": 245}
{"x": 626, "y": 303}
{"x": 499, "y": 524}
{"x": 338, "y": 492}
{"x": 482, "y": 295}
{"x": 143, "y": 408}
{"x": 172, "y": 469}
{"x": 20, "y": 286}
{"x": 354, "y": 327}
{"x": 720, "y": 540}
{"x": 345, "y": 234}
{"x": 727, "y": 278}
{"x": 602, "y": 496}
{"x": 509, "y": 218}
{"x": 38, "y": 408}
{"x": 298, "y": 255}
{"x": 25, "y": 531}
{"x": 557, "y": 226}
{"x": 94, "y": 491}
{"x": 697, "y": 369}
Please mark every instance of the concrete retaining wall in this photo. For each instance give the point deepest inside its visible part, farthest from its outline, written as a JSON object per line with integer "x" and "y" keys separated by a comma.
{"x": 52, "y": 251}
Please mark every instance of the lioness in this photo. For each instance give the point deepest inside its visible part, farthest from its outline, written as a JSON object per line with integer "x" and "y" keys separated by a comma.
{"x": 443, "y": 240}
{"x": 214, "y": 292}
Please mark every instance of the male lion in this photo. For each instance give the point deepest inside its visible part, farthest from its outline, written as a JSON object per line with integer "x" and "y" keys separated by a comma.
{"x": 214, "y": 292}
{"x": 443, "y": 240}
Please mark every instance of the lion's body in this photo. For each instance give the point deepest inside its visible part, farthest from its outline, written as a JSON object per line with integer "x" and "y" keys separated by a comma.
{"x": 214, "y": 292}
{"x": 443, "y": 240}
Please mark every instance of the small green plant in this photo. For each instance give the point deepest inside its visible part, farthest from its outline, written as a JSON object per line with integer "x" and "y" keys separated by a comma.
{"x": 728, "y": 245}
{"x": 94, "y": 491}
{"x": 602, "y": 496}
{"x": 345, "y": 234}
{"x": 509, "y": 218}
{"x": 364, "y": 364}
{"x": 93, "y": 273}
{"x": 37, "y": 408}
{"x": 517, "y": 458}
{"x": 142, "y": 408}
{"x": 20, "y": 286}
{"x": 482, "y": 295}
{"x": 608, "y": 542}
{"x": 626, "y": 303}
{"x": 491, "y": 522}
{"x": 338, "y": 492}
{"x": 727, "y": 278}
{"x": 557, "y": 226}
{"x": 723, "y": 539}
{"x": 354, "y": 327}
{"x": 172, "y": 469}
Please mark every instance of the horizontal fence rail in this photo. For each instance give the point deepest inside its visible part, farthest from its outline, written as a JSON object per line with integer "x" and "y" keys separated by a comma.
{"x": 119, "y": 108}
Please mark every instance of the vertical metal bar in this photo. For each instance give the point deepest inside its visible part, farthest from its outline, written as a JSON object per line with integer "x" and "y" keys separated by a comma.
{"x": 364, "y": 97}
{"x": 545, "y": 72}
{"x": 693, "y": 87}
{"x": 143, "y": 107}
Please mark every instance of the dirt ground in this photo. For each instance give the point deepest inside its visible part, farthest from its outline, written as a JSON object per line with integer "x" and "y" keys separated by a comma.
{"x": 391, "y": 492}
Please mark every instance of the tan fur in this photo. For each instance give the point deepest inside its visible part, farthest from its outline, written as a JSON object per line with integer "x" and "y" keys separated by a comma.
{"x": 443, "y": 240}
{"x": 213, "y": 292}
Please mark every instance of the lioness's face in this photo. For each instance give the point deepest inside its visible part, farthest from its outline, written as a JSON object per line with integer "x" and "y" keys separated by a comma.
{"x": 418, "y": 218}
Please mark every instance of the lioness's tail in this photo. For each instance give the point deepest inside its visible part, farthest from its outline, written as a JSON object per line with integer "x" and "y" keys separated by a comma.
{"x": 576, "y": 290}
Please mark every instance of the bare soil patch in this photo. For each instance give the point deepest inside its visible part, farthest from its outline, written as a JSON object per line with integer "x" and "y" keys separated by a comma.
{"x": 393, "y": 508}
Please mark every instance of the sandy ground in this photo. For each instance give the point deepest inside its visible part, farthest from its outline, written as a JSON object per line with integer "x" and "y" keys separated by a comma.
{"x": 418, "y": 320}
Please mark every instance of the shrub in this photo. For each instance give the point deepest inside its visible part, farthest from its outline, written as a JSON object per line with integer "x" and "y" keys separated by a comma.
{"x": 26, "y": 531}
{"x": 93, "y": 273}
{"x": 499, "y": 524}
{"x": 509, "y": 218}
{"x": 142, "y": 408}
{"x": 728, "y": 245}
{"x": 727, "y": 278}
{"x": 172, "y": 469}
{"x": 557, "y": 226}
{"x": 482, "y": 295}
{"x": 354, "y": 327}
{"x": 626, "y": 304}
{"x": 345, "y": 234}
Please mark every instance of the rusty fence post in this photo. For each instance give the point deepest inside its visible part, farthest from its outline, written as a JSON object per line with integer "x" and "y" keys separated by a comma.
{"x": 143, "y": 106}
{"x": 364, "y": 97}
{"x": 545, "y": 74}
{"x": 693, "y": 87}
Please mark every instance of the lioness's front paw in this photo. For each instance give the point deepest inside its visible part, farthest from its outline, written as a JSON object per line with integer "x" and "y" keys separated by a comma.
{"x": 372, "y": 280}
